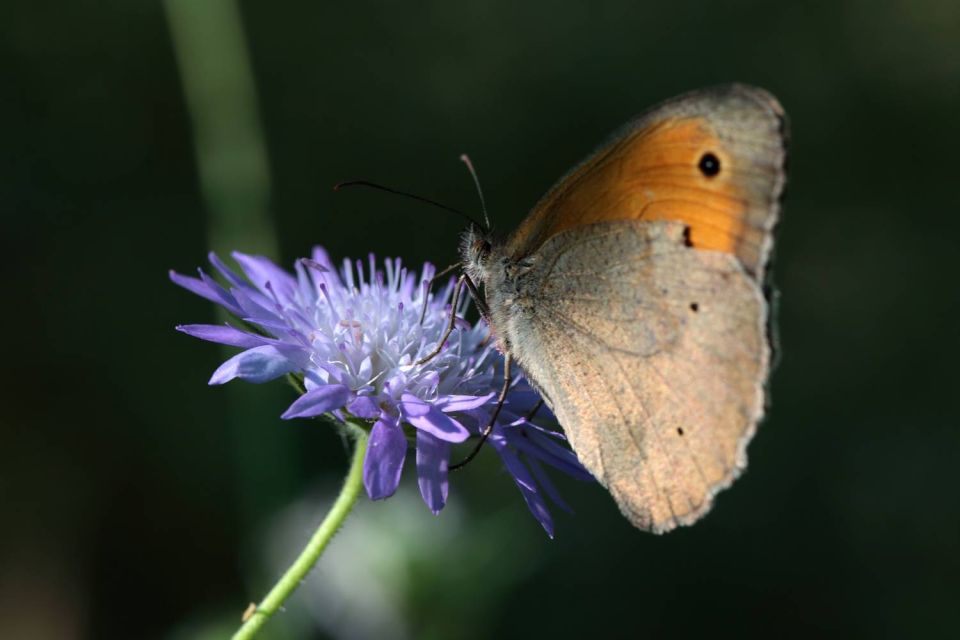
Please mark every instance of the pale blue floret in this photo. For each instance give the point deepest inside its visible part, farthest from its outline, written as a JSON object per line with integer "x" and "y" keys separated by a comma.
{"x": 355, "y": 336}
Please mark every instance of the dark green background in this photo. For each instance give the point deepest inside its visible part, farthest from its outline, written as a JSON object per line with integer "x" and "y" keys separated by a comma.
{"x": 138, "y": 502}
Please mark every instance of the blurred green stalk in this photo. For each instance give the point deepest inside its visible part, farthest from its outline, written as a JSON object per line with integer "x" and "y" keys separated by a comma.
{"x": 231, "y": 153}
{"x": 304, "y": 563}
{"x": 211, "y": 52}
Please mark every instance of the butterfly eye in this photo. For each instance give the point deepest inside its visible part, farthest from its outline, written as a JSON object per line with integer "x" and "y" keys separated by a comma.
{"x": 709, "y": 165}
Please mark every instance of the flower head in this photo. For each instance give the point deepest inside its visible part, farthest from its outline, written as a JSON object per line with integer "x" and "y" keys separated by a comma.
{"x": 355, "y": 337}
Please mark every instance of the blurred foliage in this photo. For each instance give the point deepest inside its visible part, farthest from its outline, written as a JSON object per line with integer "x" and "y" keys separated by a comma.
{"x": 127, "y": 500}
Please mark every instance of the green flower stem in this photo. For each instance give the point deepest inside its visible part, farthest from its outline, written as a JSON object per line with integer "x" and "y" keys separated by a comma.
{"x": 321, "y": 538}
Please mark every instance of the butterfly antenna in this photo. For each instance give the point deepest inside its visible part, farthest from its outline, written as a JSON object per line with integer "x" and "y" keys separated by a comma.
{"x": 412, "y": 196}
{"x": 465, "y": 159}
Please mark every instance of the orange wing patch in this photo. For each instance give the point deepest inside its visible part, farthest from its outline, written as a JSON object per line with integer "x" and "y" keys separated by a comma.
{"x": 675, "y": 169}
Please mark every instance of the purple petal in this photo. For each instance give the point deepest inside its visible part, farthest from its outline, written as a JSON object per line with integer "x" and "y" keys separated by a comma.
{"x": 226, "y": 271}
{"x": 365, "y": 407}
{"x": 527, "y": 487}
{"x": 257, "y": 307}
{"x": 547, "y": 484}
{"x": 539, "y": 446}
{"x": 408, "y": 285}
{"x": 538, "y": 508}
{"x": 259, "y": 364}
{"x": 433, "y": 460}
{"x": 318, "y": 401}
{"x": 429, "y": 269}
{"x": 414, "y": 406}
{"x": 523, "y": 399}
{"x": 276, "y": 327}
{"x": 452, "y": 403}
{"x": 224, "y": 334}
{"x": 430, "y": 379}
{"x": 477, "y": 420}
{"x": 321, "y": 257}
{"x": 313, "y": 264}
{"x": 206, "y": 287}
{"x": 384, "y": 461}
{"x": 305, "y": 285}
{"x": 226, "y": 298}
{"x": 424, "y": 415}
{"x": 261, "y": 270}
{"x": 195, "y": 285}
{"x": 536, "y": 429}
{"x": 442, "y": 426}
{"x": 513, "y": 464}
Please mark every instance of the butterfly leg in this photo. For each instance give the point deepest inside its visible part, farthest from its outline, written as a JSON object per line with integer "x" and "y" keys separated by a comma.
{"x": 429, "y": 286}
{"x": 477, "y": 299}
{"x": 453, "y": 319}
{"x": 533, "y": 411}
{"x": 493, "y": 418}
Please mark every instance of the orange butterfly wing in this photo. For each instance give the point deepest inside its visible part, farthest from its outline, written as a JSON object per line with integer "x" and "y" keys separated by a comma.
{"x": 712, "y": 159}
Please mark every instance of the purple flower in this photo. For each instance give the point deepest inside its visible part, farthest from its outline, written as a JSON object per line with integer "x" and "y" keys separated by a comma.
{"x": 354, "y": 338}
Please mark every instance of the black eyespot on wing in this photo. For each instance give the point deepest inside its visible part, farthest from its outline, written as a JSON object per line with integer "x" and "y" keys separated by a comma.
{"x": 694, "y": 307}
{"x": 679, "y": 431}
{"x": 709, "y": 164}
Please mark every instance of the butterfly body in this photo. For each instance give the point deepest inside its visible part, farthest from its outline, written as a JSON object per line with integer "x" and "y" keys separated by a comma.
{"x": 633, "y": 298}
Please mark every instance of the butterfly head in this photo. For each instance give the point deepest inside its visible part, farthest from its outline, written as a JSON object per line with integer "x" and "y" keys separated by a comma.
{"x": 475, "y": 248}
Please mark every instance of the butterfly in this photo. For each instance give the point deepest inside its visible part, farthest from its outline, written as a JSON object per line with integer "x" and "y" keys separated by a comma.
{"x": 634, "y": 297}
